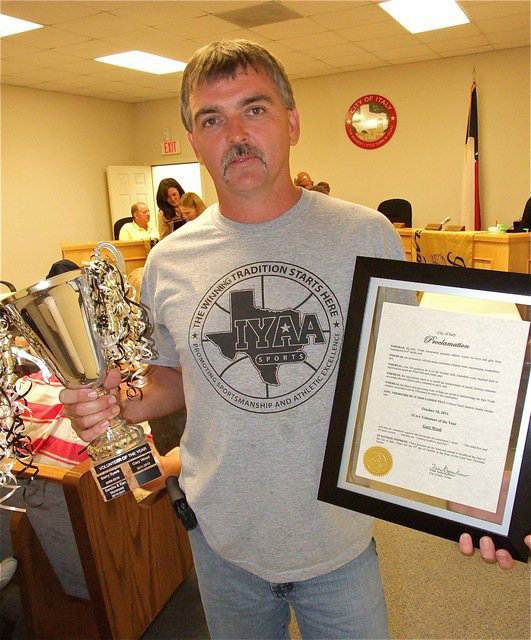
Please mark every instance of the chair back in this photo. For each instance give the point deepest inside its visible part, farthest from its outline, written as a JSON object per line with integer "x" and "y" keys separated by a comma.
{"x": 397, "y": 210}
{"x": 525, "y": 222}
{"x": 119, "y": 224}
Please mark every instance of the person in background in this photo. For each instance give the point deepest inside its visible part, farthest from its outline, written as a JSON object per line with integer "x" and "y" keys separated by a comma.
{"x": 169, "y": 217}
{"x": 319, "y": 188}
{"x": 140, "y": 228}
{"x": 324, "y": 187}
{"x": 191, "y": 206}
{"x": 302, "y": 179}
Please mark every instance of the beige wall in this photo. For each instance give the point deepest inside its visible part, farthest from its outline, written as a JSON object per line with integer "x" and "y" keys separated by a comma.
{"x": 55, "y": 148}
{"x": 151, "y": 118}
{"x": 423, "y": 162}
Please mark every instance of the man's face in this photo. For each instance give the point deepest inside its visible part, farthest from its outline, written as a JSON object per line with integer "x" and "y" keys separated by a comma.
{"x": 142, "y": 216}
{"x": 242, "y": 132}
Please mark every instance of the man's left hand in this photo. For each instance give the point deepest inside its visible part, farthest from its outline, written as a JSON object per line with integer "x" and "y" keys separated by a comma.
{"x": 488, "y": 552}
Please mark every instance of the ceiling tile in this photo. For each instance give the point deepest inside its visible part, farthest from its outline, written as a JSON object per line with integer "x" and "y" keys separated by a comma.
{"x": 317, "y": 7}
{"x": 354, "y": 60}
{"x": 81, "y": 67}
{"x": 91, "y": 49}
{"x": 239, "y": 34}
{"x": 99, "y": 25}
{"x": 46, "y": 38}
{"x": 146, "y": 39}
{"x": 201, "y": 26}
{"x": 220, "y": 6}
{"x": 459, "y": 43}
{"x": 345, "y": 49}
{"x": 46, "y": 75}
{"x": 451, "y": 33}
{"x": 496, "y": 9}
{"x": 355, "y": 16}
{"x": 303, "y": 43}
{"x": 368, "y": 65}
{"x": 296, "y": 58}
{"x": 466, "y": 52}
{"x": 282, "y": 30}
{"x": 520, "y": 21}
{"x": 418, "y": 58}
{"x": 371, "y": 31}
{"x": 390, "y": 42}
{"x": 16, "y": 68}
{"x": 153, "y": 13}
{"x": 48, "y": 12}
{"x": 48, "y": 58}
{"x": 518, "y": 35}
{"x": 11, "y": 49}
{"x": 512, "y": 45}
{"x": 419, "y": 50}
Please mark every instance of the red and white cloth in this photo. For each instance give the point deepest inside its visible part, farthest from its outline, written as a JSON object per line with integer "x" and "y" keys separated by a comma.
{"x": 54, "y": 441}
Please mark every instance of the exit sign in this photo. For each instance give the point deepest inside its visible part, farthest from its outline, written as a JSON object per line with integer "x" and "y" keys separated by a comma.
{"x": 170, "y": 147}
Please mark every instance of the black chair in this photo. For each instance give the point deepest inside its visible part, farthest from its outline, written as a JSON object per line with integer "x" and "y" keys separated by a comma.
{"x": 397, "y": 210}
{"x": 119, "y": 224}
{"x": 525, "y": 223}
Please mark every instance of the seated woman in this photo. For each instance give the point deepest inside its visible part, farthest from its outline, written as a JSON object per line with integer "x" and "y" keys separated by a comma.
{"x": 191, "y": 206}
{"x": 168, "y": 196}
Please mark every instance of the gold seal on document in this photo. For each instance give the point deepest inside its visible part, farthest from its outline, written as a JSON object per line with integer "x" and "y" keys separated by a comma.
{"x": 378, "y": 461}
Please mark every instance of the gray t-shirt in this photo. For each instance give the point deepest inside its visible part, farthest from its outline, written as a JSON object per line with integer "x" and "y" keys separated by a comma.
{"x": 254, "y": 314}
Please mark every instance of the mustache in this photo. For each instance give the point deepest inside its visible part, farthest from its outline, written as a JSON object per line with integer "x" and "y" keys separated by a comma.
{"x": 241, "y": 149}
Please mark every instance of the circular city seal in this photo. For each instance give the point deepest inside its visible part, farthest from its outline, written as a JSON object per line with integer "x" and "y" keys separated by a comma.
{"x": 267, "y": 336}
{"x": 378, "y": 461}
{"x": 370, "y": 121}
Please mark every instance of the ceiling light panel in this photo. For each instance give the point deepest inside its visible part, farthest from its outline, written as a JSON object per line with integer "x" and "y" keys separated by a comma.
{"x": 141, "y": 61}
{"x": 10, "y": 25}
{"x": 425, "y": 15}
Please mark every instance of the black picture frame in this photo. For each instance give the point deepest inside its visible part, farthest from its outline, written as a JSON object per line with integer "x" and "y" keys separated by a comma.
{"x": 380, "y": 275}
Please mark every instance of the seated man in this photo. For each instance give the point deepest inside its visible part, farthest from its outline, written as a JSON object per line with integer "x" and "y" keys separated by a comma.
{"x": 140, "y": 228}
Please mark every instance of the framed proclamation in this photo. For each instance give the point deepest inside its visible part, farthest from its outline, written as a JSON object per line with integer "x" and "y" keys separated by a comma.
{"x": 430, "y": 422}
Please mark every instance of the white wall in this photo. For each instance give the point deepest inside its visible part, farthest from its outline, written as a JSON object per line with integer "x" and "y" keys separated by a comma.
{"x": 151, "y": 118}
{"x": 55, "y": 148}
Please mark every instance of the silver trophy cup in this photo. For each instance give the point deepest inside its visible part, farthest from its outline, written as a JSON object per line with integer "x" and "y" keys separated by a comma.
{"x": 59, "y": 317}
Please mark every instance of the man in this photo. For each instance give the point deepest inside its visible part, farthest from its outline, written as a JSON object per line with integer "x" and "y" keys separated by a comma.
{"x": 140, "y": 228}
{"x": 251, "y": 338}
{"x": 302, "y": 179}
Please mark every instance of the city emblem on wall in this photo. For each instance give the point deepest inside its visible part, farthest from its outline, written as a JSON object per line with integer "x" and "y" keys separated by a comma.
{"x": 370, "y": 121}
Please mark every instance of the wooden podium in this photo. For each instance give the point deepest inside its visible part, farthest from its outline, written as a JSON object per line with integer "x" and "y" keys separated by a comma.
{"x": 134, "y": 253}
{"x": 492, "y": 251}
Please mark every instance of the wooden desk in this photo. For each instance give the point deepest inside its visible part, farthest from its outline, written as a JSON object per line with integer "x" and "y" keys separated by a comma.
{"x": 491, "y": 251}
{"x": 134, "y": 253}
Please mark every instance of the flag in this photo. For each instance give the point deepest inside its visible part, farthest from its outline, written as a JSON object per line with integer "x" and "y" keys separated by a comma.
{"x": 470, "y": 209}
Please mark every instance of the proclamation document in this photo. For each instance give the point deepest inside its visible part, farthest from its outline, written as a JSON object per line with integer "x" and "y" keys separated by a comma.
{"x": 441, "y": 403}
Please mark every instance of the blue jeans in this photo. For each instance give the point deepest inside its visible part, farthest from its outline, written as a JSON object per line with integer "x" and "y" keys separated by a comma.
{"x": 345, "y": 603}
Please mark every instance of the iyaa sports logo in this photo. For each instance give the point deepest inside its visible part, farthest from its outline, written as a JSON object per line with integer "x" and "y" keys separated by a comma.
{"x": 267, "y": 336}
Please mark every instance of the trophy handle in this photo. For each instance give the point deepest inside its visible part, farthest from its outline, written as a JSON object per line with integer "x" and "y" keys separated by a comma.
{"x": 118, "y": 257}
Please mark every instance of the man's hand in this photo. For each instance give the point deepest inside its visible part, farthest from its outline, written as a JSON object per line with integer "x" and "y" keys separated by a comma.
{"x": 89, "y": 414}
{"x": 488, "y": 552}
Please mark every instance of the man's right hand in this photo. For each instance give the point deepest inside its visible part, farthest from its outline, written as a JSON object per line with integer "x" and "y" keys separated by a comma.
{"x": 89, "y": 413}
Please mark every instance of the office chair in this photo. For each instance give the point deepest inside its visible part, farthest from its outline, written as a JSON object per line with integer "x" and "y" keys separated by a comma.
{"x": 525, "y": 222}
{"x": 396, "y": 210}
{"x": 119, "y": 224}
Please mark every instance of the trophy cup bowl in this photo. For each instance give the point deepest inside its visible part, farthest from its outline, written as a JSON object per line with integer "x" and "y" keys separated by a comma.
{"x": 57, "y": 318}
